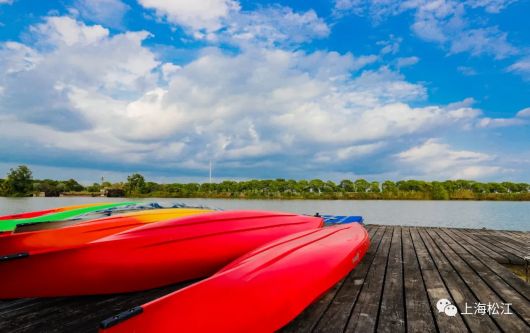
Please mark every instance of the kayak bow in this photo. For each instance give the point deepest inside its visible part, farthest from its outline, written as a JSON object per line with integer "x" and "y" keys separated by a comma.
{"x": 86, "y": 232}
{"x": 260, "y": 292}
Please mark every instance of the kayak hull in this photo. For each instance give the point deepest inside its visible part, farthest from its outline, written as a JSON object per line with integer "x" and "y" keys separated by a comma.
{"x": 87, "y": 232}
{"x": 147, "y": 257}
{"x": 260, "y": 292}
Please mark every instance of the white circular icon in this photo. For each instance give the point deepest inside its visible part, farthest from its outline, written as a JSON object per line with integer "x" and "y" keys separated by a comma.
{"x": 441, "y": 304}
{"x": 450, "y": 310}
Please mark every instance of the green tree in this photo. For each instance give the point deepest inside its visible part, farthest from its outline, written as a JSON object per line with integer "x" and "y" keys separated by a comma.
{"x": 106, "y": 184}
{"x": 329, "y": 187}
{"x": 136, "y": 183}
{"x": 347, "y": 185}
{"x": 292, "y": 185}
{"x": 4, "y": 190}
{"x": 389, "y": 187}
{"x": 316, "y": 185}
{"x": 303, "y": 186}
{"x": 361, "y": 185}
{"x": 94, "y": 188}
{"x": 374, "y": 187}
{"x": 439, "y": 192}
{"x": 20, "y": 181}
{"x": 73, "y": 185}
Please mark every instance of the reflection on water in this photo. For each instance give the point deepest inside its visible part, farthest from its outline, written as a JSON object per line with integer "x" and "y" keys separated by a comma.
{"x": 463, "y": 214}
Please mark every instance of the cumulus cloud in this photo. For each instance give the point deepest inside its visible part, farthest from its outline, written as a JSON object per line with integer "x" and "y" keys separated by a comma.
{"x": 108, "y": 96}
{"x": 523, "y": 113}
{"x": 198, "y": 15}
{"x": 435, "y": 158}
{"x": 518, "y": 120}
{"x": 216, "y": 21}
{"x": 107, "y": 12}
{"x": 443, "y": 22}
{"x": 500, "y": 122}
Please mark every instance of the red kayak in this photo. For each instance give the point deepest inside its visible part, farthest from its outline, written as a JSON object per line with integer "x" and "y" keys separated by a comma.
{"x": 86, "y": 232}
{"x": 146, "y": 257}
{"x": 260, "y": 292}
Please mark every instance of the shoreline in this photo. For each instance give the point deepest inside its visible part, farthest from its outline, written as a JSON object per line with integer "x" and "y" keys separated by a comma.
{"x": 369, "y": 196}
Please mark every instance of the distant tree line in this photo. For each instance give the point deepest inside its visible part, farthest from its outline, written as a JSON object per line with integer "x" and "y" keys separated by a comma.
{"x": 20, "y": 182}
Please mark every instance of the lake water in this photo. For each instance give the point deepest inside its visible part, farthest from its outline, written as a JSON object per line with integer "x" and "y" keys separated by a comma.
{"x": 462, "y": 214}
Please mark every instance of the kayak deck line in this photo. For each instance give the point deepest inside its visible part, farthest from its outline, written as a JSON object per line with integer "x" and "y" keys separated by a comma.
{"x": 8, "y": 257}
{"x": 395, "y": 288}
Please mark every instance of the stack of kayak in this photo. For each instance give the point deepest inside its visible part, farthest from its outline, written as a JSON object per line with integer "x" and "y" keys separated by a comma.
{"x": 262, "y": 268}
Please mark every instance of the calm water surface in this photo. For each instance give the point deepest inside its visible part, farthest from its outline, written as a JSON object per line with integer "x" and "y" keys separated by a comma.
{"x": 463, "y": 214}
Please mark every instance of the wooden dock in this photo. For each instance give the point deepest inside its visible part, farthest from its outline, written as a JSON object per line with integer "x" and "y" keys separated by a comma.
{"x": 395, "y": 288}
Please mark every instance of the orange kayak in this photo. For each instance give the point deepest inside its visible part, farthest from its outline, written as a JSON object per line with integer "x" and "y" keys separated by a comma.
{"x": 49, "y": 211}
{"x": 89, "y": 231}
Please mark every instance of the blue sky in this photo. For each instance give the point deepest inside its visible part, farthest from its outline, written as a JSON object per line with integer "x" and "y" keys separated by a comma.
{"x": 330, "y": 89}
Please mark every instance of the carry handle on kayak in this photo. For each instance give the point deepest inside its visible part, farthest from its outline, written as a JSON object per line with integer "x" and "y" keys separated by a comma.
{"x": 108, "y": 323}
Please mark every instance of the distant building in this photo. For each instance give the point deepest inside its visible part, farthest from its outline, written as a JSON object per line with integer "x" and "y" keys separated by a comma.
{"x": 112, "y": 192}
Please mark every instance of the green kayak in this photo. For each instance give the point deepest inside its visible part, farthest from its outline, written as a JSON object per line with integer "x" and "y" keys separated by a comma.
{"x": 6, "y": 225}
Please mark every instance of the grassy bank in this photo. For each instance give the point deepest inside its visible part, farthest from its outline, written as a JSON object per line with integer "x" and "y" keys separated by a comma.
{"x": 467, "y": 196}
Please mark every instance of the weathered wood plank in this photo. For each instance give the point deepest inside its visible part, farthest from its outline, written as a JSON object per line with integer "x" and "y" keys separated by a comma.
{"x": 366, "y": 309}
{"x": 336, "y": 316}
{"x": 436, "y": 288}
{"x": 507, "y": 294}
{"x": 419, "y": 315}
{"x": 78, "y": 318}
{"x": 310, "y": 317}
{"x": 521, "y": 242}
{"x": 484, "y": 249}
{"x": 513, "y": 280}
{"x": 392, "y": 312}
{"x": 457, "y": 287}
{"x": 506, "y": 244}
{"x": 494, "y": 247}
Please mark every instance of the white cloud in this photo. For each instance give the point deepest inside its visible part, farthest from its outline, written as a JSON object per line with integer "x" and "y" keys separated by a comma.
{"x": 434, "y": 158}
{"x": 521, "y": 67}
{"x": 9, "y": 2}
{"x": 491, "y": 6}
{"x": 404, "y": 62}
{"x": 468, "y": 71}
{"x": 197, "y": 14}
{"x": 390, "y": 46}
{"x": 351, "y": 152}
{"x": 69, "y": 31}
{"x": 466, "y": 103}
{"x": 169, "y": 69}
{"x": 484, "y": 41}
{"x": 523, "y": 113}
{"x": 274, "y": 25}
{"x": 443, "y": 22}
{"x": 217, "y": 21}
{"x": 500, "y": 122}
{"x": 107, "y": 12}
